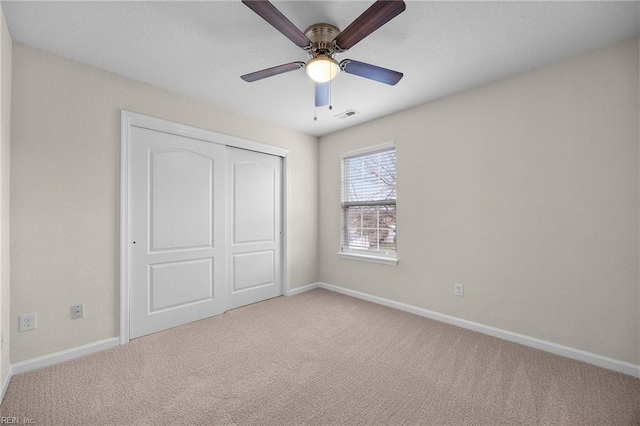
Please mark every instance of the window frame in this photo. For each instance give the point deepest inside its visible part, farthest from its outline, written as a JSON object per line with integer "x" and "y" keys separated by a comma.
{"x": 364, "y": 255}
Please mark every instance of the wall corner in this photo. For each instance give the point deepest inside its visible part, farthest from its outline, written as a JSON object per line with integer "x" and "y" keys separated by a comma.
{"x": 6, "y": 49}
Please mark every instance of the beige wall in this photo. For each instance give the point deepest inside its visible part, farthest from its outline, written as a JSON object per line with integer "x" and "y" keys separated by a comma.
{"x": 5, "y": 146}
{"x": 526, "y": 191}
{"x": 65, "y": 192}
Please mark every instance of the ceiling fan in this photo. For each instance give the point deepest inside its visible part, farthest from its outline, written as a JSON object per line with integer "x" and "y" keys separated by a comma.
{"x": 323, "y": 41}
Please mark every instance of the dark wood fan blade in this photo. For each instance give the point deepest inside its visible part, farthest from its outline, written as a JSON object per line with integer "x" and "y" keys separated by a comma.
{"x": 371, "y": 72}
{"x": 269, "y": 13}
{"x": 270, "y": 72}
{"x": 381, "y": 12}
{"x": 322, "y": 94}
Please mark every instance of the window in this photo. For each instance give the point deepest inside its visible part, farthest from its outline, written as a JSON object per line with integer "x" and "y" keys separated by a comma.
{"x": 369, "y": 204}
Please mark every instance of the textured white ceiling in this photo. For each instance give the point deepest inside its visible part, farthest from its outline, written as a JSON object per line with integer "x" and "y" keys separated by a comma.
{"x": 201, "y": 48}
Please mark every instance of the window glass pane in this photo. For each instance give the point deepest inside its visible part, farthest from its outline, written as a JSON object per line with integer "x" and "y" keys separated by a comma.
{"x": 370, "y": 177}
{"x": 370, "y": 228}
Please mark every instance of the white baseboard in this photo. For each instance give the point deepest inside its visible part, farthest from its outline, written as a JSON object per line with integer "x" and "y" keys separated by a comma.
{"x": 5, "y": 384}
{"x": 302, "y": 289}
{"x": 566, "y": 351}
{"x": 66, "y": 355}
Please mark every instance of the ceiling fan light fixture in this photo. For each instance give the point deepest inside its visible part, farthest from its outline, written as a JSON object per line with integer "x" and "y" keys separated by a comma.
{"x": 322, "y": 68}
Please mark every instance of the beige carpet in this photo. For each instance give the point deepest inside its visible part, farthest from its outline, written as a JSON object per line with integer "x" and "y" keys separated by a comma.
{"x": 322, "y": 358}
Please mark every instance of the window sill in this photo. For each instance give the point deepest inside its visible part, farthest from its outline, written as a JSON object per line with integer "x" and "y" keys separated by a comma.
{"x": 369, "y": 258}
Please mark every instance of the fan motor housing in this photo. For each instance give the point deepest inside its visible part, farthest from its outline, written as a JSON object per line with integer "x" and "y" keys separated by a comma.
{"x": 322, "y": 35}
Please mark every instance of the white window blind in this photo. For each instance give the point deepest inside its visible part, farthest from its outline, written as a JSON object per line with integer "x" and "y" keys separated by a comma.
{"x": 369, "y": 203}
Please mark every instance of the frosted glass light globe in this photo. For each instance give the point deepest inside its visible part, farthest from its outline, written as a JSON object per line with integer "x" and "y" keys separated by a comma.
{"x": 322, "y": 68}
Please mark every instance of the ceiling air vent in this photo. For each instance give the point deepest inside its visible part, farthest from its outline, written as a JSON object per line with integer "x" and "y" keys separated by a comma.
{"x": 346, "y": 114}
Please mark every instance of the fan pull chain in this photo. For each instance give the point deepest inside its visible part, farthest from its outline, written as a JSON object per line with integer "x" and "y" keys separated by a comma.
{"x": 329, "y": 65}
{"x": 330, "y": 106}
{"x": 315, "y": 107}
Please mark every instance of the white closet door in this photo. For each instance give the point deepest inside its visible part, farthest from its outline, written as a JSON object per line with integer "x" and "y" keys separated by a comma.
{"x": 177, "y": 198}
{"x": 254, "y": 194}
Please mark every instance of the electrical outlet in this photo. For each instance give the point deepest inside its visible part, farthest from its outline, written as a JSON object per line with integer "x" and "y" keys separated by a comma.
{"x": 307, "y": 265}
{"x": 77, "y": 311}
{"x": 27, "y": 322}
{"x": 458, "y": 289}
